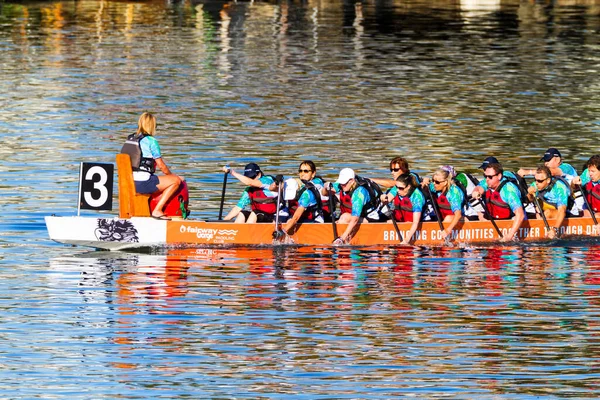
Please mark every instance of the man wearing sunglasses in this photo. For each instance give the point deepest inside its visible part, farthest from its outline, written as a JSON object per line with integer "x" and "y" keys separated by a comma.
{"x": 554, "y": 195}
{"x": 502, "y": 198}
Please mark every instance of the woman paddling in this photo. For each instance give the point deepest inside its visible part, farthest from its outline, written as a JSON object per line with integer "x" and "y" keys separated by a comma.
{"x": 408, "y": 203}
{"x": 145, "y": 155}
{"x": 449, "y": 198}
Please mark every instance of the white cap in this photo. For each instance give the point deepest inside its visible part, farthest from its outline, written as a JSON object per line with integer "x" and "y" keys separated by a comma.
{"x": 345, "y": 175}
{"x": 290, "y": 188}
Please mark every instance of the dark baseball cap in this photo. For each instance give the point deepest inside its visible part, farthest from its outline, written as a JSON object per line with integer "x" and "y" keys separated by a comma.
{"x": 251, "y": 170}
{"x": 550, "y": 154}
{"x": 488, "y": 161}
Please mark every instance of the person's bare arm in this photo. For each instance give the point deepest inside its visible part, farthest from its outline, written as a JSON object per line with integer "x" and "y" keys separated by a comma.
{"x": 352, "y": 224}
{"x": 388, "y": 183}
{"x": 517, "y": 221}
{"x": 162, "y": 166}
{"x": 560, "y": 217}
{"x": 291, "y": 223}
{"x": 244, "y": 179}
{"x": 413, "y": 227}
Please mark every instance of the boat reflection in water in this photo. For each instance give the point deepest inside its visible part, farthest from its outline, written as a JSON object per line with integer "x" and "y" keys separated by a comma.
{"x": 267, "y": 275}
{"x": 215, "y": 312}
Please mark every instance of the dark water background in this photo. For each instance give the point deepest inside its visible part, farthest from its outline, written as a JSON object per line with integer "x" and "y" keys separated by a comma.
{"x": 341, "y": 83}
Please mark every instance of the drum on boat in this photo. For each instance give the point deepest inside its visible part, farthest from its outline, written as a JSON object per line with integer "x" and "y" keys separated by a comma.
{"x": 177, "y": 206}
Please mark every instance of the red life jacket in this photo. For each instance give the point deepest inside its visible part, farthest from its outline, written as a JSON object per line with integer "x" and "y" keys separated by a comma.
{"x": 444, "y": 205}
{"x": 593, "y": 195}
{"x": 260, "y": 202}
{"x": 374, "y": 194}
{"x": 345, "y": 202}
{"x": 403, "y": 208}
{"x": 311, "y": 212}
{"x": 497, "y": 207}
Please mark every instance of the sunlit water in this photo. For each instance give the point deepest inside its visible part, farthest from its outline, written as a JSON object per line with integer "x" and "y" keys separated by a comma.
{"x": 344, "y": 84}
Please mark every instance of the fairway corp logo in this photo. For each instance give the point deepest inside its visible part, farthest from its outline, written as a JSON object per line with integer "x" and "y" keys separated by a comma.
{"x": 209, "y": 234}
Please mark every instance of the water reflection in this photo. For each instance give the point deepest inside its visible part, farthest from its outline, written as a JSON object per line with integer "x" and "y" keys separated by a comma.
{"x": 415, "y": 315}
{"x": 348, "y": 84}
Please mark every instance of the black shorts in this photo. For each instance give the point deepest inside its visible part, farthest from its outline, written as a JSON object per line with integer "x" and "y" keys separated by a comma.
{"x": 260, "y": 217}
{"x": 147, "y": 187}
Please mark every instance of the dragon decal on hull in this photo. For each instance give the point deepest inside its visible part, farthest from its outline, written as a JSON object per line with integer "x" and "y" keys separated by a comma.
{"x": 116, "y": 230}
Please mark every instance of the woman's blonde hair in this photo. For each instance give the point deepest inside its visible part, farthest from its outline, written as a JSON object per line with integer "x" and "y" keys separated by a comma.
{"x": 444, "y": 174}
{"x": 146, "y": 124}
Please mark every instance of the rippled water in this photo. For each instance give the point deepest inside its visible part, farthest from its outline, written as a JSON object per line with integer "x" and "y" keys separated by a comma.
{"x": 342, "y": 83}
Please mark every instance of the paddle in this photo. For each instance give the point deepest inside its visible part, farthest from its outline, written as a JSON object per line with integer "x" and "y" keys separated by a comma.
{"x": 223, "y": 192}
{"x": 489, "y": 215}
{"x": 278, "y": 233}
{"x": 587, "y": 204}
{"x": 536, "y": 202}
{"x": 436, "y": 209}
{"x": 437, "y": 212}
{"x": 393, "y": 216}
{"x": 332, "y": 211}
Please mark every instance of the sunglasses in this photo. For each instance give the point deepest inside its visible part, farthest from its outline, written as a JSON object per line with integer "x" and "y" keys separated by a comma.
{"x": 490, "y": 176}
{"x": 541, "y": 180}
{"x": 401, "y": 187}
{"x": 306, "y": 171}
{"x": 438, "y": 182}
{"x": 395, "y": 169}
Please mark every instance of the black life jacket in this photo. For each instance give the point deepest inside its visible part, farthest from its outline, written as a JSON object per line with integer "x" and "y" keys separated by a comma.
{"x": 553, "y": 181}
{"x": 311, "y": 212}
{"x": 133, "y": 148}
{"x": 324, "y": 206}
{"x": 463, "y": 188}
{"x": 374, "y": 197}
{"x": 521, "y": 185}
{"x": 417, "y": 177}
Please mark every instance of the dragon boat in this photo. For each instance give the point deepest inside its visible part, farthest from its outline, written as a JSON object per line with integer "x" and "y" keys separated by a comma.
{"x": 135, "y": 228}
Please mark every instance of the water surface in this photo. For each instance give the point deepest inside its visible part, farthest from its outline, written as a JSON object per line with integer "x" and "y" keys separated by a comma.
{"x": 341, "y": 83}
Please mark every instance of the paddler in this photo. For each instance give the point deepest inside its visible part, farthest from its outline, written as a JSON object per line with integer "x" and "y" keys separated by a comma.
{"x": 502, "y": 198}
{"x": 408, "y": 202}
{"x": 307, "y": 172}
{"x": 398, "y": 166}
{"x": 359, "y": 202}
{"x": 258, "y": 197}
{"x": 450, "y": 199}
{"x": 590, "y": 181}
{"x": 554, "y": 161}
{"x": 303, "y": 203}
{"x": 554, "y": 195}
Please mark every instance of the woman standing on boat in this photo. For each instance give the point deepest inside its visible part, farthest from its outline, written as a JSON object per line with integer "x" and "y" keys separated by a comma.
{"x": 145, "y": 155}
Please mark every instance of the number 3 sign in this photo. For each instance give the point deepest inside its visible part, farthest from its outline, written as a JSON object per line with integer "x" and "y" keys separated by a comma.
{"x": 96, "y": 186}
